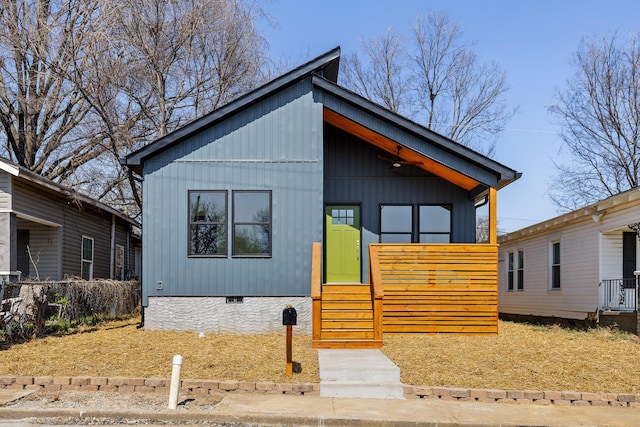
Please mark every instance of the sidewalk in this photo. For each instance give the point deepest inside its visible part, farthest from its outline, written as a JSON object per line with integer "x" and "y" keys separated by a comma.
{"x": 276, "y": 409}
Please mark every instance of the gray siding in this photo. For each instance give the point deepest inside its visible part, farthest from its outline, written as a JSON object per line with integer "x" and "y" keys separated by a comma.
{"x": 44, "y": 245}
{"x": 275, "y": 145}
{"x": 355, "y": 174}
{"x": 5, "y": 191}
{"x": 75, "y": 221}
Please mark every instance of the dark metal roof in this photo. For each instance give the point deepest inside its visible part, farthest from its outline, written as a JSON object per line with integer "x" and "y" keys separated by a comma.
{"x": 505, "y": 174}
{"x": 327, "y": 65}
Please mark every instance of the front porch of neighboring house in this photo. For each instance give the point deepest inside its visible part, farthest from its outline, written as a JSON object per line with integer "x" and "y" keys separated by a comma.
{"x": 413, "y": 288}
{"x": 39, "y": 248}
{"x": 618, "y": 287}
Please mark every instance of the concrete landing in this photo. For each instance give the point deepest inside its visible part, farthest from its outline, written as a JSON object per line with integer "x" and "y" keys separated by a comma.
{"x": 358, "y": 373}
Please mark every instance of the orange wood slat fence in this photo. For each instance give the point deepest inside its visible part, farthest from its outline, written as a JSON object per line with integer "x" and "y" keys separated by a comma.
{"x": 436, "y": 288}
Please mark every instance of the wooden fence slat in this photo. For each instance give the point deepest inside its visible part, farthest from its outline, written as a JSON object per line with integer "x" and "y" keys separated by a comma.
{"x": 438, "y": 287}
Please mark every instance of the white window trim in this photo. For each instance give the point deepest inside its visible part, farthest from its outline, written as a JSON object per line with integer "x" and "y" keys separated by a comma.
{"x": 89, "y": 261}
{"x": 511, "y": 271}
{"x": 551, "y": 265}
{"x": 119, "y": 263}
{"x": 520, "y": 283}
{"x": 517, "y": 286}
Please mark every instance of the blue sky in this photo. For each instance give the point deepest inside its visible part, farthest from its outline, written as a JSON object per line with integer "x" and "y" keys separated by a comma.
{"x": 533, "y": 41}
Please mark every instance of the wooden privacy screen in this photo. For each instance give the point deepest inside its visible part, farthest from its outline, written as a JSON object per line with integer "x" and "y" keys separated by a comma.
{"x": 437, "y": 288}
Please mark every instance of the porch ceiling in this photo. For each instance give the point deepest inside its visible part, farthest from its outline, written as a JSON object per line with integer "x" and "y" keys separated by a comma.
{"x": 390, "y": 146}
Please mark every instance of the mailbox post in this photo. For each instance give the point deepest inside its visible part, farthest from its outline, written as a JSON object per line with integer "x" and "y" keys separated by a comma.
{"x": 289, "y": 318}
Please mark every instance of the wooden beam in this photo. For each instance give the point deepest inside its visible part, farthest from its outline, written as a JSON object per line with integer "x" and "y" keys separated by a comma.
{"x": 390, "y": 146}
{"x": 316, "y": 290}
{"x": 493, "y": 216}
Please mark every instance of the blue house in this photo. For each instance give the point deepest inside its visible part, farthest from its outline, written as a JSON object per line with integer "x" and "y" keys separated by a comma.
{"x": 234, "y": 201}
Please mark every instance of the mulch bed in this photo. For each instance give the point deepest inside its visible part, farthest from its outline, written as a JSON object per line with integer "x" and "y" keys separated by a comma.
{"x": 520, "y": 357}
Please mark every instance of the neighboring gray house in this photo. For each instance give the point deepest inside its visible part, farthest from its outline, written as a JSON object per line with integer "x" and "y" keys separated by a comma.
{"x": 233, "y": 201}
{"x": 49, "y": 231}
{"x": 576, "y": 267}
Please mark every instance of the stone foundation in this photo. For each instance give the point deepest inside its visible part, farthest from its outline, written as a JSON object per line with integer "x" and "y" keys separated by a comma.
{"x": 254, "y": 315}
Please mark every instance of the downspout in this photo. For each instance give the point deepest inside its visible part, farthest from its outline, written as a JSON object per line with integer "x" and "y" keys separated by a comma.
{"x": 482, "y": 203}
{"x": 113, "y": 245}
{"x": 127, "y": 255}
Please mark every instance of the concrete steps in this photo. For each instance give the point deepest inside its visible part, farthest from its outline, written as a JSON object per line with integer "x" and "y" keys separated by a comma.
{"x": 363, "y": 373}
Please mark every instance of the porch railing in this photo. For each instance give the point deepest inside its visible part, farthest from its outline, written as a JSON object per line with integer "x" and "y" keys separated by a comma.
{"x": 619, "y": 295}
{"x": 436, "y": 288}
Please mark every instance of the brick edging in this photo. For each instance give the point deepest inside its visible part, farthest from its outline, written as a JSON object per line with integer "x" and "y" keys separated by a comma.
{"x": 204, "y": 387}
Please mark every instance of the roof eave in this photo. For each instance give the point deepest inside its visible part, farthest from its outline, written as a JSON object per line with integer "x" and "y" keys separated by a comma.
{"x": 29, "y": 176}
{"x": 505, "y": 174}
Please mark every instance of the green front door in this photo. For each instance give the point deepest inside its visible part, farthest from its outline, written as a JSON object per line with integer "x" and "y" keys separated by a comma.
{"x": 342, "y": 246}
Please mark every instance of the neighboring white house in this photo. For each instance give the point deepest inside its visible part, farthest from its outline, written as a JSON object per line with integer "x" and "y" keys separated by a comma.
{"x": 577, "y": 266}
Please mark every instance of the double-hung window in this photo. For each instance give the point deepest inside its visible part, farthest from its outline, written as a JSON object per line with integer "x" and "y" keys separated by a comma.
{"x": 555, "y": 259}
{"x": 520, "y": 285}
{"x": 515, "y": 270}
{"x": 87, "y": 258}
{"x": 207, "y": 223}
{"x": 252, "y": 223}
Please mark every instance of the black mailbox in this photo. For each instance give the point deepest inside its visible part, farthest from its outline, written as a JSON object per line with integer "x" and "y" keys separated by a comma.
{"x": 289, "y": 316}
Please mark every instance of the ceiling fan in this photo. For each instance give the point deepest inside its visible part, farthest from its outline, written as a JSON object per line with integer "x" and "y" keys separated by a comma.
{"x": 398, "y": 161}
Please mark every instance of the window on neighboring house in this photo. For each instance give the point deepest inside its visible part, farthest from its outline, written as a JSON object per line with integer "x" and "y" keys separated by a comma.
{"x": 510, "y": 269}
{"x": 396, "y": 223}
{"x": 515, "y": 270}
{"x": 520, "y": 284}
{"x": 435, "y": 224}
{"x": 207, "y": 223}
{"x": 252, "y": 223}
{"x": 87, "y": 258}
{"x": 119, "y": 262}
{"x": 555, "y": 265}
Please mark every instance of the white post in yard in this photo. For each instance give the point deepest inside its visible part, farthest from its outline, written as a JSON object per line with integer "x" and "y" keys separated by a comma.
{"x": 175, "y": 382}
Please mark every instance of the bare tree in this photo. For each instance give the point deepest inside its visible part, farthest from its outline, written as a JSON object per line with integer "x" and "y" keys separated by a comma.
{"x": 40, "y": 110}
{"x": 160, "y": 64}
{"x": 438, "y": 81}
{"x": 383, "y": 77}
{"x": 461, "y": 98}
{"x": 85, "y": 82}
{"x": 600, "y": 115}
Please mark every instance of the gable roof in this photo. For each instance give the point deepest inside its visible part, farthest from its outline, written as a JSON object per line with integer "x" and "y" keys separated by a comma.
{"x": 324, "y": 72}
{"x": 49, "y": 186}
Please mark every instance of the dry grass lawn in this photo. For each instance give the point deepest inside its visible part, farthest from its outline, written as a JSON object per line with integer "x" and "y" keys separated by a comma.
{"x": 521, "y": 357}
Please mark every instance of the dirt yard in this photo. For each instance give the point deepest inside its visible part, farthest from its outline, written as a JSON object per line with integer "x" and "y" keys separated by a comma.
{"x": 520, "y": 357}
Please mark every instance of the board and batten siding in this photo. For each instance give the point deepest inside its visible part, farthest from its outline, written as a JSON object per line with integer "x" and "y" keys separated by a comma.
{"x": 589, "y": 254}
{"x": 355, "y": 175}
{"x": 5, "y": 191}
{"x": 274, "y": 145}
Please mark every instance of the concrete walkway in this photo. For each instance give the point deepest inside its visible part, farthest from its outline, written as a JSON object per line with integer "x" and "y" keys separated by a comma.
{"x": 271, "y": 409}
{"x": 358, "y": 373}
